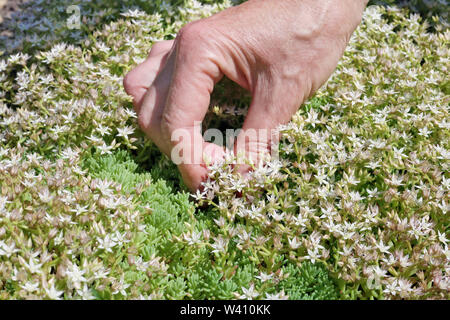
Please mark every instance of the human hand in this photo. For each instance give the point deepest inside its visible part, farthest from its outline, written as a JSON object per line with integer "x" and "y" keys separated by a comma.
{"x": 280, "y": 51}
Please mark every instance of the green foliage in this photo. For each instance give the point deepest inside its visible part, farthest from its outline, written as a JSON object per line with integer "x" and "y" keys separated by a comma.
{"x": 308, "y": 282}
{"x": 194, "y": 276}
{"x": 361, "y": 183}
{"x": 89, "y": 208}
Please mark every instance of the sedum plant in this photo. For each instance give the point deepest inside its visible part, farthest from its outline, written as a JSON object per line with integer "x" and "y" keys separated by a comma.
{"x": 355, "y": 207}
{"x": 362, "y": 183}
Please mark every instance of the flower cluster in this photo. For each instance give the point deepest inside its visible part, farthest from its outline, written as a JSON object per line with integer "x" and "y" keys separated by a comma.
{"x": 79, "y": 216}
{"x": 59, "y": 228}
{"x": 363, "y": 181}
{"x": 355, "y": 207}
{"x": 435, "y": 10}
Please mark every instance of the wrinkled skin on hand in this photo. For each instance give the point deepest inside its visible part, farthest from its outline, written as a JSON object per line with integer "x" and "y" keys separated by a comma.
{"x": 280, "y": 51}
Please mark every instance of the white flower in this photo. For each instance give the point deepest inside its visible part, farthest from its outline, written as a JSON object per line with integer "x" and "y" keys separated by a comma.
{"x": 199, "y": 195}
{"x": 376, "y": 274}
{"x": 105, "y": 149}
{"x": 220, "y": 222}
{"x": 106, "y": 243}
{"x": 32, "y": 266}
{"x": 3, "y": 65}
{"x": 130, "y": 113}
{"x": 120, "y": 287}
{"x": 377, "y": 144}
{"x": 264, "y": 277}
{"x": 424, "y": 132}
{"x": 277, "y": 296}
{"x": 30, "y": 286}
{"x": 391, "y": 288}
{"x": 45, "y": 195}
{"x": 350, "y": 178}
{"x": 125, "y": 132}
{"x": 442, "y": 237}
{"x": 355, "y": 196}
{"x": 13, "y": 59}
{"x": 220, "y": 244}
{"x": 277, "y": 216}
{"x": 85, "y": 293}
{"x": 398, "y": 153}
{"x": 79, "y": 209}
{"x": 95, "y": 140}
{"x": 321, "y": 177}
{"x": 75, "y": 276}
{"x": 294, "y": 243}
{"x": 313, "y": 255}
{"x": 382, "y": 247}
{"x": 193, "y": 237}
{"x": 120, "y": 238}
{"x": 445, "y": 183}
{"x": 69, "y": 154}
{"x": 443, "y": 206}
{"x": 244, "y": 236}
{"x": 52, "y": 292}
{"x": 104, "y": 186}
{"x": 395, "y": 180}
{"x": 404, "y": 287}
{"x": 249, "y": 293}
{"x": 101, "y": 273}
{"x": 134, "y": 13}
{"x": 372, "y": 192}
{"x": 7, "y": 250}
{"x": 403, "y": 260}
{"x": 103, "y": 130}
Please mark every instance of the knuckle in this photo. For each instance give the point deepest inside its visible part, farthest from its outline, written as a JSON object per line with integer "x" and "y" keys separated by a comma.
{"x": 129, "y": 82}
{"x": 192, "y": 35}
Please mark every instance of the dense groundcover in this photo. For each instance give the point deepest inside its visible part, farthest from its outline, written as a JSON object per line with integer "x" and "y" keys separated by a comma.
{"x": 355, "y": 207}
